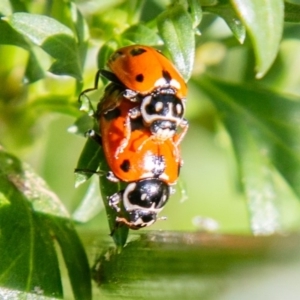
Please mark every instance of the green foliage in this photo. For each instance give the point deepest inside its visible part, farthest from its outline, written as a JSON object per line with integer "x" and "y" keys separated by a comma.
{"x": 30, "y": 217}
{"x": 51, "y": 50}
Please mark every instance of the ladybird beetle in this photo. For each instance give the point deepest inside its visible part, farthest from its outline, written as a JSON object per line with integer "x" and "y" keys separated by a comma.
{"x": 149, "y": 166}
{"x": 150, "y": 79}
{"x": 142, "y": 200}
{"x": 143, "y": 70}
{"x": 137, "y": 155}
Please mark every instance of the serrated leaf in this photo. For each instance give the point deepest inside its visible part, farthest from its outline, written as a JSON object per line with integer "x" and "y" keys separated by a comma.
{"x": 176, "y": 29}
{"x": 265, "y": 129}
{"x": 53, "y": 37}
{"x": 29, "y": 262}
{"x": 141, "y": 34}
{"x": 264, "y": 23}
{"x": 226, "y": 12}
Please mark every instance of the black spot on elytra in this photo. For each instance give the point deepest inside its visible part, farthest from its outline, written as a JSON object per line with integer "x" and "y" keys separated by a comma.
{"x": 125, "y": 166}
{"x": 139, "y": 78}
{"x": 112, "y": 114}
{"x": 116, "y": 55}
{"x": 137, "y": 51}
{"x": 166, "y": 75}
{"x": 136, "y": 124}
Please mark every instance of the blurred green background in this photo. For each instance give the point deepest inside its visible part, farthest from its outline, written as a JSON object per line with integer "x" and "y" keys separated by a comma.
{"x": 38, "y": 108}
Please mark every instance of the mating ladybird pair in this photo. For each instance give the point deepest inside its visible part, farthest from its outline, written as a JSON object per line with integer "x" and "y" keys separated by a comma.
{"x": 139, "y": 116}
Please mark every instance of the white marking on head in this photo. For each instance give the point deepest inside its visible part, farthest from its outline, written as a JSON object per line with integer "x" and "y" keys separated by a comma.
{"x": 161, "y": 82}
{"x": 174, "y": 83}
{"x": 178, "y": 108}
{"x": 159, "y": 106}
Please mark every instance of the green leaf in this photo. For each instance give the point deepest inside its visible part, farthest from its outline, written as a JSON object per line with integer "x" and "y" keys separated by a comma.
{"x": 5, "y": 8}
{"x": 91, "y": 203}
{"x": 196, "y": 265}
{"x": 92, "y": 159}
{"x": 291, "y": 12}
{"x": 82, "y": 125}
{"x": 264, "y": 23}
{"x": 141, "y": 34}
{"x": 19, "y": 5}
{"x": 89, "y": 160}
{"x": 9, "y": 36}
{"x": 74, "y": 256}
{"x": 53, "y": 37}
{"x": 34, "y": 71}
{"x": 108, "y": 188}
{"x": 195, "y": 10}
{"x": 82, "y": 32}
{"x": 176, "y": 29}
{"x": 53, "y": 103}
{"x": 265, "y": 128}
{"x": 105, "y": 52}
{"x": 29, "y": 218}
{"x": 226, "y": 12}
{"x": 86, "y": 104}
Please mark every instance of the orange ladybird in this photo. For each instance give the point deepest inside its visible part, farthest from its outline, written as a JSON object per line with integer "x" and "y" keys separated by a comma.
{"x": 130, "y": 149}
{"x": 143, "y": 70}
{"x": 148, "y": 165}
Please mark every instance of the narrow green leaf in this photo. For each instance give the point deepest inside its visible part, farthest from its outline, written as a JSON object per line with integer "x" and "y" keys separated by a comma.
{"x": 257, "y": 175}
{"x": 141, "y": 34}
{"x": 226, "y": 12}
{"x": 29, "y": 218}
{"x": 74, "y": 257}
{"x": 28, "y": 259}
{"x": 264, "y": 23}
{"x": 176, "y": 29}
{"x": 53, "y": 37}
{"x": 265, "y": 130}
